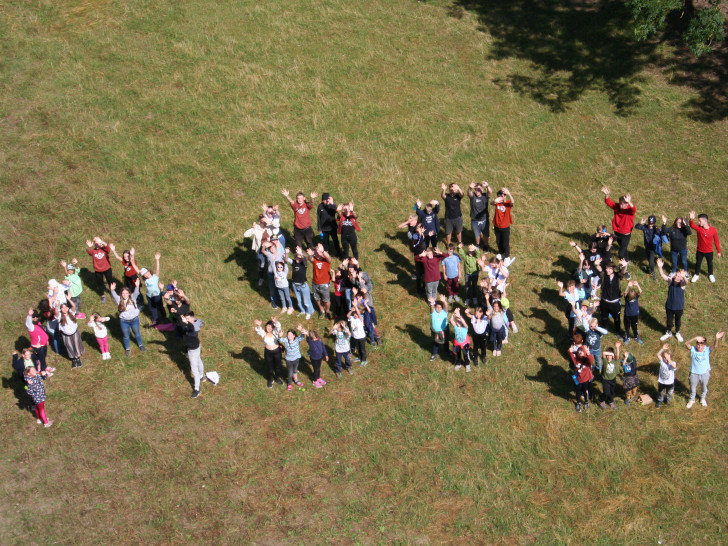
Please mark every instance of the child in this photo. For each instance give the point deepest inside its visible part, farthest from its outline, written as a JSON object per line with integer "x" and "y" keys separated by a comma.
{"x": 573, "y": 295}
{"x": 36, "y": 391}
{"x": 632, "y": 310}
{"x": 593, "y": 338}
{"x": 700, "y": 366}
{"x": 369, "y": 315}
{"x": 582, "y": 362}
{"x": 292, "y": 345}
{"x": 630, "y": 380}
{"x": 451, "y": 271}
{"x": 342, "y": 348}
{"x": 666, "y": 380}
{"x": 101, "y": 333}
{"x": 358, "y": 334}
{"x": 498, "y": 327}
{"x": 471, "y": 270}
{"x": 584, "y": 314}
{"x": 316, "y": 352}
{"x": 27, "y": 359}
{"x": 609, "y": 379}
{"x": 339, "y": 294}
{"x": 73, "y": 282}
{"x": 462, "y": 343}
{"x": 438, "y": 324}
{"x": 480, "y": 338}
{"x": 280, "y": 277}
{"x": 38, "y": 340}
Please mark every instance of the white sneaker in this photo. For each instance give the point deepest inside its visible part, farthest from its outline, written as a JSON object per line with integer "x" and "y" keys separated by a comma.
{"x": 467, "y": 368}
{"x": 457, "y": 367}
{"x": 671, "y": 275}
{"x": 457, "y": 299}
{"x": 690, "y": 404}
{"x": 679, "y": 337}
{"x": 449, "y": 299}
{"x": 515, "y": 328}
{"x": 667, "y": 336}
{"x": 308, "y": 316}
{"x": 703, "y": 402}
{"x": 712, "y": 278}
{"x": 284, "y": 310}
{"x": 695, "y": 278}
{"x": 508, "y": 261}
{"x": 499, "y": 256}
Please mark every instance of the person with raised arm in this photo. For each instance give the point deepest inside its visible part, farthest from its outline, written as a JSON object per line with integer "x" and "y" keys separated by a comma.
{"x": 438, "y": 324}
{"x": 479, "y": 194}
{"x": 154, "y": 294}
{"x": 452, "y": 195}
{"x": 502, "y": 221}
{"x": 348, "y": 225}
{"x": 707, "y": 238}
{"x": 272, "y": 336}
{"x": 99, "y": 252}
{"x": 700, "y": 366}
{"x": 73, "y": 281}
{"x": 666, "y": 376}
{"x": 611, "y": 295}
{"x": 128, "y": 314}
{"x": 675, "y": 304}
{"x": 326, "y": 224}
{"x": 622, "y": 222}
{"x": 302, "y": 230}
{"x": 429, "y": 220}
{"x": 678, "y": 235}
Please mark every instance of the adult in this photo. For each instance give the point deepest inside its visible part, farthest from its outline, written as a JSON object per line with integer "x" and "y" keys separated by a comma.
{"x": 675, "y": 304}
{"x": 707, "y": 237}
{"x": 347, "y": 228}
{"x": 622, "y": 221}
{"x": 128, "y": 314}
{"x": 700, "y": 367}
{"x": 321, "y": 261}
{"x": 190, "y": 327}
{"x": 479, "y": 195}
{"x": 299, "y": 265}
{"x": 502, "y": 221}
{"x": 99, "y": 252}
{"x": 678, "y": 235}
{"x": 154, "y": 294}
{"x": 452, "y": 195}
{"x": 302, "y": 230}
{"x": 611, "y": 296}
{"x": 272, "y": 336}
{"x": 259, "y": 234}
{"x": 326, "y": 224}
{"x": 429, "y": 220}
{"x": 69, "y": 331}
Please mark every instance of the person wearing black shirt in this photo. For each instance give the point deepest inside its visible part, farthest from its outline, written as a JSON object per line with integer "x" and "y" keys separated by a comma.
{"x": 611, "y": 301}
{"x": 479, "y": 220}
{"x": 453, "y": 195}
{"x": 326, "y": 224}
{"x": 190, "y": 327}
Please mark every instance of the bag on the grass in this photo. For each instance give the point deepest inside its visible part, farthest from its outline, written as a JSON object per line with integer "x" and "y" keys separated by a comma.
{"x": 645, "y": 399}
{"x": 213, "y": 377}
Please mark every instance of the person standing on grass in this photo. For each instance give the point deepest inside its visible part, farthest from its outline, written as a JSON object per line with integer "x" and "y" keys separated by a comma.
{"x": 611, "y": 296}
{"x": 630, "y": 379}
{"x": 101, "y": 333}
{"x": 582, "y": 362}
{"x": 502, "y": 221}
{"x": 316, "y": 352}
{"x": 593, "y": 339}
{"x": 622, "y": 222}
{"x": 128, "y": 263}
{"x": 73, "y": 282}
{"x": 610, "y": 370}
{"x": 99, "y": 252}
{"x": 438, "y": 324}
{"x": 326, "y": 224}
{"x": 38, "y": 340}
{"x": 128, "y": 314}
{"x": 302, "y": 230}
{"x": 573, "y": 296}
{"x": 632, "y": 311}
{"x": 700, "y": 366}
{"x": 452, "y": 195}
{"x": 469, "y": 259}
{"x": 600, "y": 245}
{"x": 678, "y": 236}
{"x": 451, "y": 272}
{"x": 37, "y": 392}
{"x": 431, "y": 259}
{"x": 649, "y": 230}
{"x": 707, "y": 237}
{"x": 348, "y": 226}
{"x": 342, "y": 347}
{"x": 300, "y": 283}
{"x": 259, "y": 235}
{"x": 480, "y": 324}
{"x": 191, "y": 338}
{"x": 666, "y": 378}
{"x": 462, "y": 343}
{"x": 281, "y": 281}
{"x": 675, "y": 304}
{"x": 479, "y": 195}
{"x": 274, "y": 253}
{"x": 272, "y": 336}
{"x": 358, "y": 334}
{"x": 429, "y": 220}
{"x": 69, "y": 330}
{"x": 154, "y": 294}
{"x": 321, "y": 261}
{"x": 498, "y": 326}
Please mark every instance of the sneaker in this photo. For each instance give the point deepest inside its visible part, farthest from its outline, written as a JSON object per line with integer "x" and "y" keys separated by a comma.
{"x": 48, "y": 424}
{"x": 578, "y": 408}
{"x": 639, "y": 340}
{"x": 270, "y": 383}
{"x": 672, "y": 274}
{"x": 679, "y": 337}
{"x": 299, "y": 383}
{"x": 457, "y": 299}
{"x": 81, "y": 316}
{"x": 363, "y": 363}
{"x": 695, "y": 278}
{"x": 38, "y": 422}
{"x": 667, "y": 336}
{"x": 612, "y": 405}
{"x": 142, "y": 348}
{"x": 128, "y": 352}
{"x": 351, "y": 372}
{"x": 195, "y": 393}
{"x": 279, "y": 380}
{"x": 413, "y": 277}
{"x": 320, "y": 314}
{"x": 432, "y": 358}
{"x": 704, "y": 402}
{"x": 317, "y": 385}
{"x": 603, "y": 405}
{"x": 338, "y": 374}
{"x": 284, "y": 310}
{"x": 290, "y": 310}
{"x": 355, "y": 359}
{"x": 329, "y": 317}
{"x": 458, "y": 366}
{"x": 322, "y": 382}
{"x": 50, "y": 369}
{"x": 654, "y": 278}
{"x": 690, "y": 404}
{"x": 308, "y": 316}
{"x": 260, "y": 282}
{"x": 627, "y": 340}
{"x": 273, "y": 305}
{"x": 508, "y": 261}
{"x": 449, "y": 299}
{"x": 103, "y": 299}
{"x": 514, "y": 327}
{"x": 658, "y": 404}
{"x": 79, "y": 364}
{"x": 467, "y": 368}
{"x": 712, "y": 278}
{"x": 289, "y": 387}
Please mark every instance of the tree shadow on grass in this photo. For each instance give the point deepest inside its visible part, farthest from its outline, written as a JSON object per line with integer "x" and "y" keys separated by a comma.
{"x": 556, "y": 377}
{"x": 573, "y": 46}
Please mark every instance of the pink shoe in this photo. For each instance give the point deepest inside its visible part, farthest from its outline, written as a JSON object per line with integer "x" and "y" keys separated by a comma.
{"x": 321, "y": 380}
{"x": 290, "y": 387}
{"x": 317, "y": 384}
{"x": 80, "y": 315}
{"x": 299, "y": 383}
{"x": 49, "y": 369}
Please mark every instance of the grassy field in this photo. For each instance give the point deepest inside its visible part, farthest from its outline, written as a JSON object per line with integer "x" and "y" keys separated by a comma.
{"x": 164, "y": 126}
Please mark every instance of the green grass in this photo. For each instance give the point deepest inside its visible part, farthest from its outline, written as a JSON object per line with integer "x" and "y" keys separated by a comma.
{"x": 165, "y": 126}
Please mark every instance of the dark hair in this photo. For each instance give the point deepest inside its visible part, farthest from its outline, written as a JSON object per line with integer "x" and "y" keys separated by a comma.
{"x": 703, "y": 216}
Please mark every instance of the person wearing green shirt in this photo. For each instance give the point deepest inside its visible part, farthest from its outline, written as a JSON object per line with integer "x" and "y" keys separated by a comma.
{"x": 73, "y": 281}
{"x": 610, "y": 370}
{"x": 471, "y": 269}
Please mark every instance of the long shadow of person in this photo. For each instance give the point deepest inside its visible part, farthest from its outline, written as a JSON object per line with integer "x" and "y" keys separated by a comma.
{"x": 255, "y": 361}
{"x": 651, "y": 322}
{"x": 177, "y": 353}
{"x": 556, "y": 377}
{"x": 16, "y": 382}
{"x": 398, "y": 264}
{"x": 417, "y": 335}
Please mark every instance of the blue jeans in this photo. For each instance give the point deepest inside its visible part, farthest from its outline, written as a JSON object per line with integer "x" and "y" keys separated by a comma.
{"x": 272, "y": 288}
{"x": 683, "y": 254}
{"x": 303, "y": 297}
{"x": 126, "y": 326}
{"x": 156, "y": 306}
{"x": 285, "y": 295}
{"x": 261, "y": 264}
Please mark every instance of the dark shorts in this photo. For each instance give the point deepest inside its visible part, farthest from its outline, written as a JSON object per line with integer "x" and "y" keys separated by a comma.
{"x": 454, "y": 224}
{"x": 322, "y": 292}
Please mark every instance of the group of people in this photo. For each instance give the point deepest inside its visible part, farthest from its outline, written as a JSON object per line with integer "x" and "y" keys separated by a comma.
{"x": 342, "y": 294}
{"x": 596, "y": 284}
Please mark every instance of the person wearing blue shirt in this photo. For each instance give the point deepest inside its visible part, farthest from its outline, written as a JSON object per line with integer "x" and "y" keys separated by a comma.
{"x": 438, "y": 324}
{"x": 700, "y": 366}
{"x": 451, "y": 270}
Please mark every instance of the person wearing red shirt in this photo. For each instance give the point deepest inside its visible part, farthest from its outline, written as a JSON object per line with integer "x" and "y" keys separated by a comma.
{"x": 321, "y": 261}
{"x": 623, "y": 221}
{"x": 99, "y": 251}
{"x": 581, "y": 364}
{"x": 302, "y": 229}
{"x": 502, "y": 222}
{"x": 707, "y": 237}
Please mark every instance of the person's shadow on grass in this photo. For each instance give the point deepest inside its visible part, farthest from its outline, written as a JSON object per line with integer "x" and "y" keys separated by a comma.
{"x": 556, "y": 377}
{"x": 17, "y": 383}
{"x": 417, "y": 335}
{"x": 176, "y": 352}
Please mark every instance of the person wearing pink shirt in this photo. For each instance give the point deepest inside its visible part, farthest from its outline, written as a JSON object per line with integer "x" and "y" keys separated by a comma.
{"x": 707, "y": 237}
